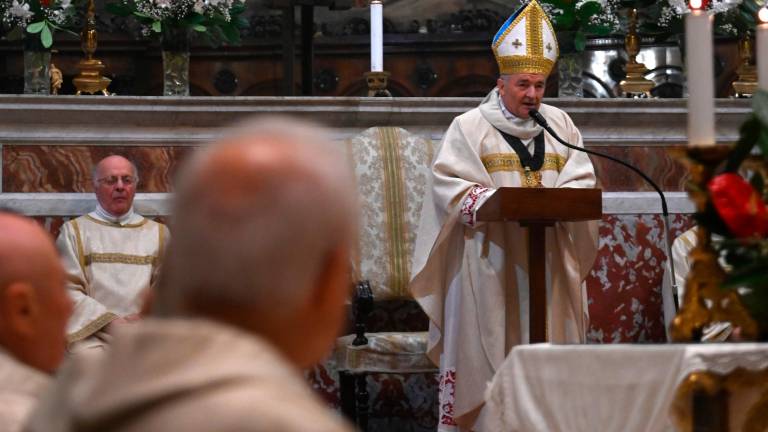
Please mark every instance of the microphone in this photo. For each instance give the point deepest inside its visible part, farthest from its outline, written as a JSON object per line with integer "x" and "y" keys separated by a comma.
{"x": 541, "y": 121}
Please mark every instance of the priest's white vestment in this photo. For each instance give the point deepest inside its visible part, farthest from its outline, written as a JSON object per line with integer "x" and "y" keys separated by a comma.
{"x": 20, "y": 387}
{"x": 471, "y": 279}
{"x": 109, "y": 267}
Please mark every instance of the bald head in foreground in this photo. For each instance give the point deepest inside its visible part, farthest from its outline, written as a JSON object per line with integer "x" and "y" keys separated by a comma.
{"x": 34, "y": 308}
{"x": 253, "y": 289}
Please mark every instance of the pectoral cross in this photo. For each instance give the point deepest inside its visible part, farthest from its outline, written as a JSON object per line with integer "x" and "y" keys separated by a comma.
{"x": 549, "y": 47}
{"x": 517, "y": 43}
{"x": 532, "y": 179}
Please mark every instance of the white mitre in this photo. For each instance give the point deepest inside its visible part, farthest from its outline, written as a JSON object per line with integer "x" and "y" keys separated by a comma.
{"x": 526, "y": 43}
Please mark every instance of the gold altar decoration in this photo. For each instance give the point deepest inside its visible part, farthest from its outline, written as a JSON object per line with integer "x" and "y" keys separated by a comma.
{"x": 635, "y": 84}
{"x": 746, "y": 83}
{"x": 90, "y": 79}
{"x": 705, "y": 302}
{"x": 377, "y": 83}
{"x": 57, "y": 78}
{"x": 711, "y": 385}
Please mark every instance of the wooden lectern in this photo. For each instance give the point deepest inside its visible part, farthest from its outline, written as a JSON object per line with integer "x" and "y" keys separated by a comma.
{"x": 536, "y": 209}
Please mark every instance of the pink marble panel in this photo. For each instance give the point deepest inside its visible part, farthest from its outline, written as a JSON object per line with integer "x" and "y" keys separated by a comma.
{"x": 68, "y": 168}
{"x": 624, "y": 286}
{"x": 655, "y": 162}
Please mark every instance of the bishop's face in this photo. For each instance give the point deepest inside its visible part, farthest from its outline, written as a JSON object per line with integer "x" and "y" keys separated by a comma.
{"x": 522, "y": 92}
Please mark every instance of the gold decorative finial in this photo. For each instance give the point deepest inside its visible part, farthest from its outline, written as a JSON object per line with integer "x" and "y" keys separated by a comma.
{"x": 746, "y": 83}
{"x": 90, "y": 79}
{"x": 635, "y": 84}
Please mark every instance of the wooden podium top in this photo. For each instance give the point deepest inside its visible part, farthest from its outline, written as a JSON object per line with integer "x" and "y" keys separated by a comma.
{"x": 542, "y": 205}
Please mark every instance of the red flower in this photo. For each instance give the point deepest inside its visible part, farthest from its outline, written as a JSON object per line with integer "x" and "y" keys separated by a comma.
{"x": 45, "y": 3}
{"x": 739, "y": 205}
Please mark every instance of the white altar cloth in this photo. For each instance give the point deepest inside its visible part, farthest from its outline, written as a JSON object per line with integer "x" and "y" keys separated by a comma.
{"x": 605, "y": 388}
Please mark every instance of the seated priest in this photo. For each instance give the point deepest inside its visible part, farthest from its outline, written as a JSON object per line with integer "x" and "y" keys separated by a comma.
{"x": 253, "y": 289}
{"x": 34, "y": 308}
{"x": 681, "y": 250}
{"x": 111, "y": 256}
{"x": 471, "y": 278}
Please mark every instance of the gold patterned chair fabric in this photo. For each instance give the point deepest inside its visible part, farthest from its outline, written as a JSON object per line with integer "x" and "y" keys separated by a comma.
{"x": 392, "y": 168}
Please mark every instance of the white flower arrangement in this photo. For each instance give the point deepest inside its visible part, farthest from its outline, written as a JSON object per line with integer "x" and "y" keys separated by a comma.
{"x": 38, "y": 16}
{"x": 672, "y": 11}
{"x": 583, "y": 18}
{"x": 216, "y": 18}
{"x": 161, "y": 10}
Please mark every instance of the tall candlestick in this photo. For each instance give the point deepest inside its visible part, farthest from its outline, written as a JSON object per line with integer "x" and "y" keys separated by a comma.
{"x": 701, "y": 81}
{"x": 762, "y": 48}
{"x": 377, "y": 36}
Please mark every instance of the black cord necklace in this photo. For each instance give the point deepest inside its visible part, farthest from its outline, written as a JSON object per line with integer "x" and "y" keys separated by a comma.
{"x": 530, "y": 162}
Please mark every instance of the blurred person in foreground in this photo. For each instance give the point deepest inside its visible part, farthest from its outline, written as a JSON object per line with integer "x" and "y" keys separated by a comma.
{"x": 253, "y": 290}
{"x": 111, "y": 256}
{"x": 34, "y": 308}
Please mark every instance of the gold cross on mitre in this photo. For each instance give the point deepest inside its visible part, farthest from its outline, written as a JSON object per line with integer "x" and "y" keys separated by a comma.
{"x": 526, "y": 42}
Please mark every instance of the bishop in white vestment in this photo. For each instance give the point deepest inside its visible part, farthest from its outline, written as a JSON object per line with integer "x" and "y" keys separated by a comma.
{"x": 471, "y": 278}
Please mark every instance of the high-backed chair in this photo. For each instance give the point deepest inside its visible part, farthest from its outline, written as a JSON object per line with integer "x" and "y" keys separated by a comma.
{"x": 392, "y": 168}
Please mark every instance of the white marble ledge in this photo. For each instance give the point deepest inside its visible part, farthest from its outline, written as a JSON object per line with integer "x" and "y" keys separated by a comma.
{"x": 73, "y": 119}
{"x": 159, "y": 204}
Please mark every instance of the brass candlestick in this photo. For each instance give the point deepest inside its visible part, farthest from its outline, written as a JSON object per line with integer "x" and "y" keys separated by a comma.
{"x": 705, "y": 302}
{"x": 746, "y": 83}
{"x": 377, "y": 83}
{"x": 635, "y": 84}
{"x": 90, "y": 79}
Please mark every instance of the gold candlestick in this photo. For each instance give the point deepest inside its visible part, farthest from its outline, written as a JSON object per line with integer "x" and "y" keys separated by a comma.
{"x": 90, "y": 79}
{"x": 705, "y": 302}
{"x": 635, "y": 84}
{"x": 746, "y": 83}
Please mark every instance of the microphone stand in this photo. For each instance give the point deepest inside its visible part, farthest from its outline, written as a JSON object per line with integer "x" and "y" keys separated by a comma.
{"x": 541, "y": 121}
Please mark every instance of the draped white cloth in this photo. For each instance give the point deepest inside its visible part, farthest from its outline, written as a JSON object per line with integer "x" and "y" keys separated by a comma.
{"x": 607, "y": 388}
{"x": 109, "y": 266}
{"x": 471, "y": 280}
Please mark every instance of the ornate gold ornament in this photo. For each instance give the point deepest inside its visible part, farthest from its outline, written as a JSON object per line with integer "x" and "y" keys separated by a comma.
{"x": 377, "y": 83}
{"x": 746, "y": 83}
{"x": 90, "y": 79}
{"x": 705, "y": 302}
{"x": 635, "y": 84}
{"x": 57, "y": 79}
{"x": 711, "y": 385}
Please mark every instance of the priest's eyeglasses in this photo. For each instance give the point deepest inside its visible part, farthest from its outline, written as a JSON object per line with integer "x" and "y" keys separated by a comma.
{"x": 112, "y": 180}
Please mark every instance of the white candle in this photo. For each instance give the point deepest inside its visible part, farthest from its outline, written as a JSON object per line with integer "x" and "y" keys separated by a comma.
{"x": 701, "y": 81}
{"x": 377, "y": 36}
{"x": 762, "y": 48}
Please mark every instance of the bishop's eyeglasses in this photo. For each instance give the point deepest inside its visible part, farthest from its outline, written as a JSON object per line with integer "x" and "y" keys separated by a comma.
{"x": 112, "y": 180}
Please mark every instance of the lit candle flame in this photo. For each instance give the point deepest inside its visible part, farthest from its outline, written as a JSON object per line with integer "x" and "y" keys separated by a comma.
{"x": 697, "y": 4}
{"x": 762, "y": 15}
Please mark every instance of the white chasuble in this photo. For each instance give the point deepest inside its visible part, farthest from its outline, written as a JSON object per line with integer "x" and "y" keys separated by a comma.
{"x": 109, "y": 267}
{"x": 471, "y": 278}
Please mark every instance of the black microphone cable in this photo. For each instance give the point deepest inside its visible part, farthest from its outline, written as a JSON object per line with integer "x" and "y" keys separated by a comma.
{"x": 539, "y": 119}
